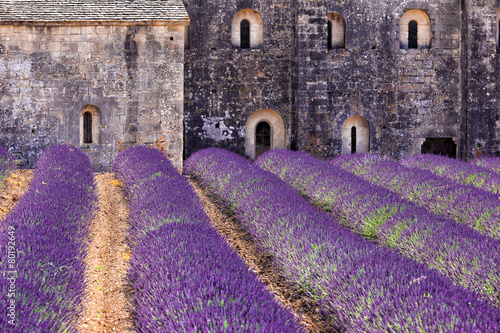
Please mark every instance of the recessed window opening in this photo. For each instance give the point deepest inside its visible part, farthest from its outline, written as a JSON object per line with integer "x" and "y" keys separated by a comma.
{"x": 355, "y": 136}
{"x": 413, "y": 35}
{"x": 336, "y": 31}
{"x": 353, "y": 140}
{"x": 415, "y": 30}
{"x": 245, "y": 34}
{"x": 247, "y": 29}
{"x": 498, "y": 34}
{"x": 329, "y": 34}
{"x": 262, "y": 138}
{"x": 87, "y": 127}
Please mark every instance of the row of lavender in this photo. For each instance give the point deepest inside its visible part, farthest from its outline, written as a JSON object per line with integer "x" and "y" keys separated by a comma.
{"x": 469, "y": 205}
{"x": 185, "y": 276}
{"x": 490, "y": 163}
{"x": 462, "y": 254}
{"x": 461, "y": 172}
{"x": 6, "y": 165}
{"x": 43, "y": 243}
{"x": 360, "y": 286}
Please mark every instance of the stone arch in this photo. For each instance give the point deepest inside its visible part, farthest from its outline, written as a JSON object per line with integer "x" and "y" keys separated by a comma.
{"x": 95, "y": 121}
{"x": 256, "y": 28}
{"x": 336, "y": 31}
{"x": 277, "y": 126}
{"x": 360, "y": 126}
{"x": 423, "y": 25}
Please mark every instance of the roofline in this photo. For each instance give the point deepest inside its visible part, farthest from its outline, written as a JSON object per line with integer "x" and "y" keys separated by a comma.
{"x": 106, "y": 23}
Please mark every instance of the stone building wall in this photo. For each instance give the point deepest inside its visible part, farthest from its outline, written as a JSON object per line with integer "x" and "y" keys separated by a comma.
{"x": 224, "y": 84}
{"x": 132, "y": 73}
{"x": 482, "y": 107}
{"x": 406, "y": 95}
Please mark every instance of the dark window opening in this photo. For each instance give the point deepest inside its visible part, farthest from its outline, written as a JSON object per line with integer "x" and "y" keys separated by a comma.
{"x": 413, "y": 35}
{"x": 262, "y": 138}
{"x": 330, "y": 35}
{"x": 440, "y": 146}
{"x": 214, "y": 100}
{"x": 353, "y": 140}
{"x": 87, "y": 127}
{"x": 245, "y": 34}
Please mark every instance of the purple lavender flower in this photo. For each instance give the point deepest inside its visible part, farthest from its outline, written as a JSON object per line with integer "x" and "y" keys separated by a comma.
{"x": 469, "y": 205}
{"x": 358, "y": 285}
{"x": 46, "y": 233}
{"x": 461, "y": 172}
{"x": 185, "y": 276}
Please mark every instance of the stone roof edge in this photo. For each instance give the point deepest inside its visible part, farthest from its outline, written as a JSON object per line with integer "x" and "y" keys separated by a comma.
{"x": 106, "y": 22}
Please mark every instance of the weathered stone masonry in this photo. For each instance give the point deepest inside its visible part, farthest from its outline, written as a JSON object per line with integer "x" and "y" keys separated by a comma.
{"x": 129, "y": 72}
{"x": 146, "y": 79}
{"x": 446, "y": 89}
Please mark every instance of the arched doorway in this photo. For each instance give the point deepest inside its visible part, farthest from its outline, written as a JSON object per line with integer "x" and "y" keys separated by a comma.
{"x": 440, "y": 146}
{"x": 355, "y": 136}
{"x": 262, "y": 138}
{"x": 264, "y": 130}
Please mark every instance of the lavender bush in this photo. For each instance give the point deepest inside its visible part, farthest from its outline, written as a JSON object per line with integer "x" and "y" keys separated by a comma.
{"x": 490, "y": 163}
{"x": 185, "y": 276}
{"x": 461, "y": 172}
{"x": 360, "y": 286}
{"x": 461, "y": 253}
{"x": 476, "y": 208}
{"x": 43, "y": 242}
{"x": 6, "y": 165}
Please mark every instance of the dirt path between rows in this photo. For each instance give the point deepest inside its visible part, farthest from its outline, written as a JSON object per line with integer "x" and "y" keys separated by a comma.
{"x": 227, "y": 224}
{"x": 15, "y": 186}
{"x": 107, "y": 308}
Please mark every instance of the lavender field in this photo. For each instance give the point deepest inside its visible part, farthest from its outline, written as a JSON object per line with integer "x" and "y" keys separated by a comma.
{"x": 374, "y": 245}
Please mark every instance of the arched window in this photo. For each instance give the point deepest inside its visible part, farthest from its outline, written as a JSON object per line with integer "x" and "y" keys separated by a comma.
{"x": 245, "y": 34}
{"x": 329, "y": 27}
{"x": 413, "y": 35}
{"x": 353, "y": 140}
{"x": 336, "y": 31}
{"x": 262, "y": 138}
{"x": 415, "y": 30}
{"x": 264, "y": 130}
{"x": 90, "y": 121}
{"x": 498, "y": 28}
{"x": 355, "y": 136}
{"x": 247, "y": 29}
{"x": 87, "y": 127}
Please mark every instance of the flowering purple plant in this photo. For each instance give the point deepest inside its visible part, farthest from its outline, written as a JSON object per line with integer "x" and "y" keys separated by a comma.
{"x": 457, "y": 251}
{"x": 471, "y": 206}
{"x": 358, "y": 285}
{"x": 43, "y": 242}
{"x": 461, "y": 172}
{"x": 490, "y": 163}
{"x": 185, "y": 276}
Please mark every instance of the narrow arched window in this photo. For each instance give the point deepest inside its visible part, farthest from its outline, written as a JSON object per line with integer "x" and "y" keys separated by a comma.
{"x": 262, "y": 138}
{"x": 329, "y": 34}
{"x": 413, "y": 35}
{"x": 336, "y": 31}
{"x": 245, "y": 34}
{"x": 498, "y": 30}
{"x": 87, "y": 127}
{"x": 353, "y": 140}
